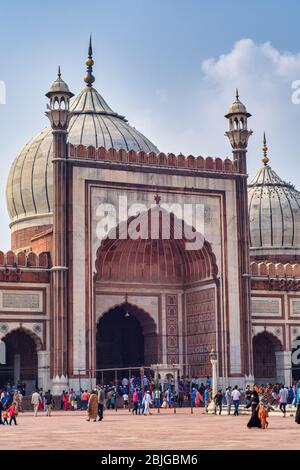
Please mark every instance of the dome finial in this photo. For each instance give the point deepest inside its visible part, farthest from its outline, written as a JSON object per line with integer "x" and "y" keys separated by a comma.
{"x": 237, "y": 94}
{"x": 89, "y": 77}
{"x": 265, "y": 158}
{"x": 59, "y": 72}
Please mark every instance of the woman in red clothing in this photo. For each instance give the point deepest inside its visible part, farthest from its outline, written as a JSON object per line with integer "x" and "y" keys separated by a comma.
{"x": 66, "y": 401}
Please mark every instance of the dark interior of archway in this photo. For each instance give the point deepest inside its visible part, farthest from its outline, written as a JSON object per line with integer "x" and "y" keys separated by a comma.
{"x": 19, "y": 343}
{"x": 264, "y": 348}
{"x": 120, "y": 340}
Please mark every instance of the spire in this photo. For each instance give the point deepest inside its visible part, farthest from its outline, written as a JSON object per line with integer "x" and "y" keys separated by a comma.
{"x": 237, "y": 94}
{"x": 59, "y": 72}
{"x": 265, "y": 158}
{"x": 89, "y": 77}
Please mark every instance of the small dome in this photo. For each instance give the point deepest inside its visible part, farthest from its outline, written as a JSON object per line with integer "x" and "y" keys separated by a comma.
{"x": 237, "y": 107}
{"x": 29, "y": 186}
{"x": 274, "y": 213}
{"x": 59, "y": 86}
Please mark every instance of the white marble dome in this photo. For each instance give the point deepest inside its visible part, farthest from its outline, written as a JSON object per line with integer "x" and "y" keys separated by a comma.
{"x": 274, "y": 213}
{"x": 29, "y": 186}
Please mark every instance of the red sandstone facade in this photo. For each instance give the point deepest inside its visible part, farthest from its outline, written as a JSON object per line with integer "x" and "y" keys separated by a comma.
{"x": 76, "y": 294}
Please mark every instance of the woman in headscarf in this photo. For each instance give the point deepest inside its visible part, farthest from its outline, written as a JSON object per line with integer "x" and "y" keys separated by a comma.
{"x": 16, "y": 401}
{"x": 92, "y": 409}
{"x": 254, "y": 421}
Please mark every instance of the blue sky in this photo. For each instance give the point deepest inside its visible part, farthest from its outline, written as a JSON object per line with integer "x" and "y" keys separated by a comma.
{"x": 170, "y": 66}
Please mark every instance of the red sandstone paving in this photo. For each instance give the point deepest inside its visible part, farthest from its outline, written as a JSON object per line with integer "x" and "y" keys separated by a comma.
{"x": 121, "y": 430}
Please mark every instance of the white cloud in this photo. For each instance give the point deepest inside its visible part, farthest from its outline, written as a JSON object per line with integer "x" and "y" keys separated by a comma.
{"x": 264, "y": 77}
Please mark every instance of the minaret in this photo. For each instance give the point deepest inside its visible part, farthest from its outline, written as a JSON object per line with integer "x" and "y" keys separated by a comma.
{"x": 59, "y": 115}
{"x": 238, "y": 135}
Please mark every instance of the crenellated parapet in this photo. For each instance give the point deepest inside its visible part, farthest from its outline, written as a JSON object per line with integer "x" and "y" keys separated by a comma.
{"x": 24, "y": 267}
{"x": 275, "y": 269}
{"x": 170, "y": 160}
{"x": 275, "y": 276}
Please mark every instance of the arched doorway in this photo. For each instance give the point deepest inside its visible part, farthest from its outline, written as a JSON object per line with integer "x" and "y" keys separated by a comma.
{"x": 21, "y": 362}
{"x": 265, "y": 346}
{"x": 126, "y": 337}
{"x": 120, "y": 340}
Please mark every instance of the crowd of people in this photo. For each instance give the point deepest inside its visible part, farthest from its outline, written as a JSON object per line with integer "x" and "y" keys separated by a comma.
{"x": 142, "y": 393}
{"x": 10, "y": 405}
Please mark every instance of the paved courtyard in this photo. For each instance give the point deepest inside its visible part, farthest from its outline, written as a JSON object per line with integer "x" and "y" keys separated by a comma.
{"x": 121, "y": 430}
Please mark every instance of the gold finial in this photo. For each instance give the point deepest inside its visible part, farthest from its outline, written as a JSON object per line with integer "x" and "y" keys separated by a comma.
{"x": 265, "y": 158}
{"x": 237, "y": 94}
{"x": 89, "y": 77}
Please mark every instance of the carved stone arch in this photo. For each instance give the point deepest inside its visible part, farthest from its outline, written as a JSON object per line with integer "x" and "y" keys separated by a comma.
{"x": 37, "y": 340}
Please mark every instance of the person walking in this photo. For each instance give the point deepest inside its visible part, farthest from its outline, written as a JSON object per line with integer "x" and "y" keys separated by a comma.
{"x": 283, "y": 398}
{"x": 35, "y": 401}
{"x": 92, "y": 408}
{"x": 198, "y": 399}
{"x": 254, "y": 421}
{"x": 228, "y": 399}
{"x": 12, "y": 414}
{"x": 5, "y": 416}
{"x": 218, "y": 399}
{"x": 248, "y": 394}
{"x": 140, "y": 402}
{"x": 146, "y": 403}
{"x": 101, "y": 401}
{"x": 48, "y": 403}
{"x": 206, "y": 399}
{"x": 135, "y": 400}
{"x": 157, "y": 398}
{"x": 16, "y": 401}
{"x": 236, "y": 395}
{"x": 84, "y": 400}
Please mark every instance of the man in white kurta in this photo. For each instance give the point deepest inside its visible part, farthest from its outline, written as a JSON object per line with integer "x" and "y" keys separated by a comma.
{"x": 146, "y": 403}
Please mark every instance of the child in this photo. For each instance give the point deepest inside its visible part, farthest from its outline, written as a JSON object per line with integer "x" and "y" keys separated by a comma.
{"x": 5, "y": 416}
{"x": 12, "y": 414}
{"x": 125, "y": 398}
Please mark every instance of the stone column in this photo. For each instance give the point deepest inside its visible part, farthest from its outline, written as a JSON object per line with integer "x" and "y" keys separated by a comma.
{"x": 214, "y": 377}
{"x": 284, "y": 367}
{"x": 43, "y": 370}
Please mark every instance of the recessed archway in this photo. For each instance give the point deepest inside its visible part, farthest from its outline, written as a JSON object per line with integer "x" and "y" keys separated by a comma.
{"x": 126, "y": 337}
{"x": 265, "y": 346}
{"x": 148, "y": 263}
{"x": 21, "y": 359}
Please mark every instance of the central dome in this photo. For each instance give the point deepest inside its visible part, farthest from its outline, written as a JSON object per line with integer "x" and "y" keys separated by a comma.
{"x": 29, "y": 186}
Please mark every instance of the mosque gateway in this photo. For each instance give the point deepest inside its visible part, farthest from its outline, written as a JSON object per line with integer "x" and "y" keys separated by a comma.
{"x": 125, "y": 257}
